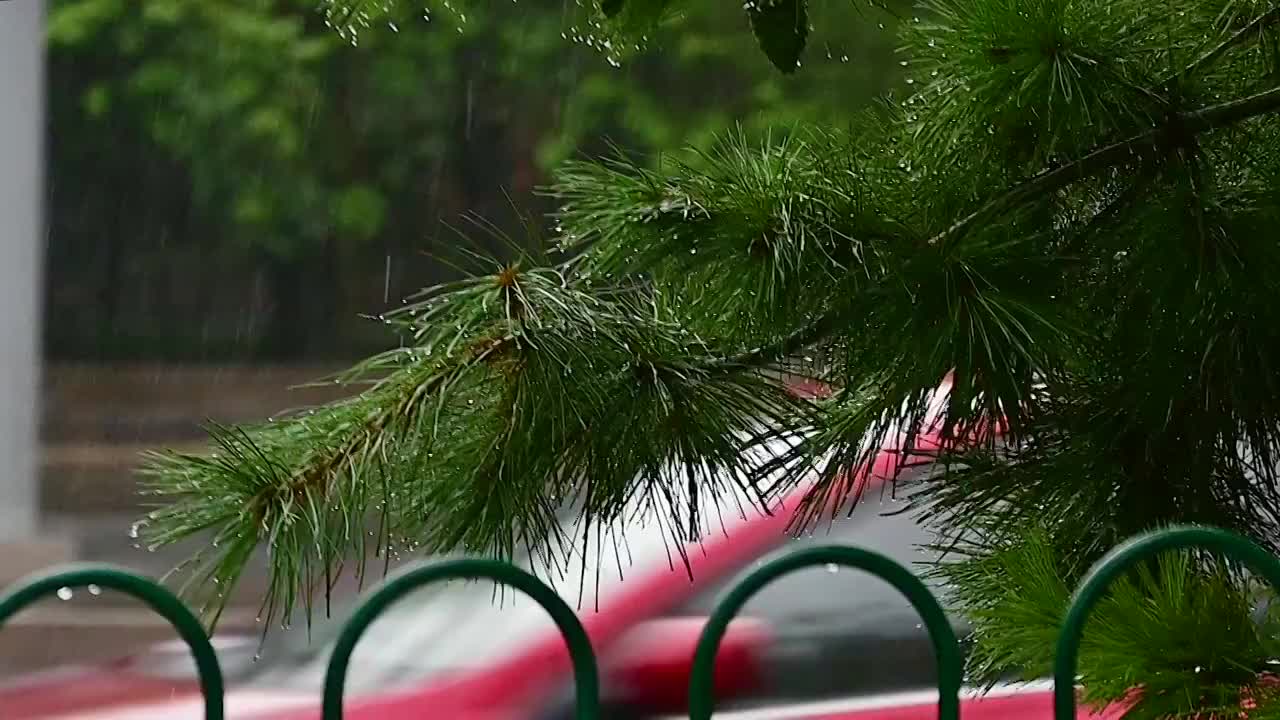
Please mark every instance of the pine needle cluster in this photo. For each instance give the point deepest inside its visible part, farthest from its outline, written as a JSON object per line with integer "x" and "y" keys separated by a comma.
{"x": 1073, "y": 214}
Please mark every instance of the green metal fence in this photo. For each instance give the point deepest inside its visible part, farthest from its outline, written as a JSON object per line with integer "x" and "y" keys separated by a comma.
{"x": 701, "y": 700}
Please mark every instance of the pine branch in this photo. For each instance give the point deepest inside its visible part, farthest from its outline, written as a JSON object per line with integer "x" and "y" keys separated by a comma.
{"x": 367, "y": 439}
{"x": 1049, "y": 181}
{"x": 1119, "y": 153}
{"x": 1231, "y": 112}
{"x": 742, "y": 241}
{"x": 1183, "y": 632}
{"x": 518, "y": 396}
{"x": 1237, "y": 38}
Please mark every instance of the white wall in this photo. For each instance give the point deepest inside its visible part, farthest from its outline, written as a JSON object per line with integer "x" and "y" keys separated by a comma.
{"x": 21, "y": 258}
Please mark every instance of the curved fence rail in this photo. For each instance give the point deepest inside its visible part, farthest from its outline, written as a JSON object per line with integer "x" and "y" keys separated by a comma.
{"x": 946, "y": 648}
{"x": 582, "y": 656}
{"x": 1113, "y": 565}
{"x": 585, "y": 673}
{"x": 54, "y": 581}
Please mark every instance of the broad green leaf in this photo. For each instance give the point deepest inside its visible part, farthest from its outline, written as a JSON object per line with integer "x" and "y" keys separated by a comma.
{"x": 781, "y": 27}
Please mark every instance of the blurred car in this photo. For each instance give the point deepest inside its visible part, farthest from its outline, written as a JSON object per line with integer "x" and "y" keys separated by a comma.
{"x": 821, "y": 644}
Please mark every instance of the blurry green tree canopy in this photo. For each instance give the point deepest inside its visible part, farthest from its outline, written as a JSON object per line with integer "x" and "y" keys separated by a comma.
{"x": 232, "y": 178}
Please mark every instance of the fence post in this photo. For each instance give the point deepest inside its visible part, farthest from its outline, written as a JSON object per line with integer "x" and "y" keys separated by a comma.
{"x": 22, "y": 243}
{"x": 162, "y": 601}
{"x": 1113, "y": 564}
{"x": 945, "y": 646}
{"x": 586, "y": 676}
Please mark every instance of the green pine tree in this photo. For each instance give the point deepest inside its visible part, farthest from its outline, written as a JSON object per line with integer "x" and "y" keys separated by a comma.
{"x": 1075, "y": 213}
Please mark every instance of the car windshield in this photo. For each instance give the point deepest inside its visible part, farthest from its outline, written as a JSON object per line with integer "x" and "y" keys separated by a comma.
{"x": 461, "y": 625}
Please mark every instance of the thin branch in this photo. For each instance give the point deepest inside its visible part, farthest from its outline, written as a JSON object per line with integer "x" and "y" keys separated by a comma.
{"x": 1232, "y": 111}
{"x": 1119, "y": 153}
{"x": 823, "y": 327}
{"x": 319, "y": 471}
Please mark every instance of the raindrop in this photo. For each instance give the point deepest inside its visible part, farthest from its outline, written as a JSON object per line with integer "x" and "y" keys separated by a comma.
{"x": 94, "y": 589}
{"x": 386, "y": 278}
{"x": 65, "y": 593}
{"x": 832, "y": 568}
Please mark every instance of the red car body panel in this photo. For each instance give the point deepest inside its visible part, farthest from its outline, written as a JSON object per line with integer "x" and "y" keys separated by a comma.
{"x": 75, "y": 689}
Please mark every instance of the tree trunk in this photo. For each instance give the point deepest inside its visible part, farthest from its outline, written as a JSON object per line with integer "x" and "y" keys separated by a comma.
{"x": 286, "y": 329}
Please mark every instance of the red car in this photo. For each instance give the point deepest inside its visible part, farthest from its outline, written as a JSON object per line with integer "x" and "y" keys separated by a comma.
{"x": 820, "y": 644}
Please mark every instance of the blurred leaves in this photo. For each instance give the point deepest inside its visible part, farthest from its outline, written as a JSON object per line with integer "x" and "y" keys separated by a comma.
{"x": 359, "y": 212}
{"x": 239, "y": 130}
{"x": 309, "y": 96}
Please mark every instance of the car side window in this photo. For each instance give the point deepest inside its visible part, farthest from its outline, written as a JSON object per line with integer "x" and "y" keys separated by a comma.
{"x": 836, "y": 632}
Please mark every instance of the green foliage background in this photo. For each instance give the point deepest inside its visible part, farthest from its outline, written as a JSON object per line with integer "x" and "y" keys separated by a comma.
{"x": 232, "y": 178}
